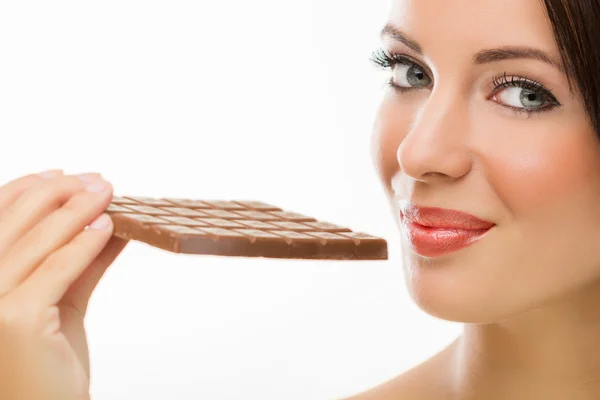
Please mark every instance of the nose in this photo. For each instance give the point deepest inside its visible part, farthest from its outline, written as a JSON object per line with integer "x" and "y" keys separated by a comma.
{"x": 436, "y": 146}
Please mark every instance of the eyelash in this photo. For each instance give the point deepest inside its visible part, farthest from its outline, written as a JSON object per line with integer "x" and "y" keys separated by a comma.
{"x": 384, "y": 60}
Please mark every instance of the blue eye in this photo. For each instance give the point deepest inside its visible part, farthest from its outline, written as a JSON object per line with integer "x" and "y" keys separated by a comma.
{"x": 523, "y": 95}
{"x": 409, "y": 75}
{"x": 406, "y": 74}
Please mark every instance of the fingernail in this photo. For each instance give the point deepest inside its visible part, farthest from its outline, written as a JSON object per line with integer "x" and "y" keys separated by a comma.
{"x": 102, "y": 222}
{"x": 90, "y": 177}
{"x": 95, "y": 187}
{"x": 50, "y": 174}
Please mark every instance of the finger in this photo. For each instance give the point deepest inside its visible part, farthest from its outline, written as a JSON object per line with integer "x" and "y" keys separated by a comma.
{"x": 90, "y": 177}
{"x": 47, "y": 284}
{"x": 11, "y": 191}
{"x": 77, "y": 297}
{"x": 79, "y": 293}
{"x": 34, "y": 205}
{"x": 53, "y": 232}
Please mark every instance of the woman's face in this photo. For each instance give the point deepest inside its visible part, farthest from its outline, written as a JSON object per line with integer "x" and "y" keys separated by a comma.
{"x": 466, "y": 137}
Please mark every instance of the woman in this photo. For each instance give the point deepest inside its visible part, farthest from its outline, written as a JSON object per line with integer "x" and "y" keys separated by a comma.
{"x": 492, "y": 112}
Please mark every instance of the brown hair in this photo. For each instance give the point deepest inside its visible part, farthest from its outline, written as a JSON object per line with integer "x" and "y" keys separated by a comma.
{"x": 576, "y": 26}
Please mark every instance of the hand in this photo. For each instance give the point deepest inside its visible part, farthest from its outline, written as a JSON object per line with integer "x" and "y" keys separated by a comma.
{"x": 50, "y": 264}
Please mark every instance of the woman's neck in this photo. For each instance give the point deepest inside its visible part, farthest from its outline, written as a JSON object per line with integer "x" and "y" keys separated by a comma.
{"x": 548, "y": 353}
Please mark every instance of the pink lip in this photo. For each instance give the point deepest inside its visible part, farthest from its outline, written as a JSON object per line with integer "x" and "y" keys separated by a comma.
{"x": 433, "y": 232}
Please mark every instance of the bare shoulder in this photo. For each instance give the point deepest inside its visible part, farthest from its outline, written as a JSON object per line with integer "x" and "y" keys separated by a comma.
{"x": 427, "y": 381}
{"x": 410, "y": 385}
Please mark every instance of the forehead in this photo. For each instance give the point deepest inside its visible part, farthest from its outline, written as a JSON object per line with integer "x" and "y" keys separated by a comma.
{"x": 474, "y": 24}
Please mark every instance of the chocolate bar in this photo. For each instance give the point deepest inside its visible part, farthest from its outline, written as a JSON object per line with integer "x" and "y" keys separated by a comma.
{"x": 237, "y": 229}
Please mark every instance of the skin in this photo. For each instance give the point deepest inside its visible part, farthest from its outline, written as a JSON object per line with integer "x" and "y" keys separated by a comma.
{"x": 49, "y": 267}
{"x": 528, "y": 292}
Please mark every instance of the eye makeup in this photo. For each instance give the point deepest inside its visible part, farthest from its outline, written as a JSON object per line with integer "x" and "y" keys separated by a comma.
{"x": 530, "y": 88}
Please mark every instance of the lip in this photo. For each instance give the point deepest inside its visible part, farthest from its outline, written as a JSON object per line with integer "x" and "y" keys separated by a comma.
{"x": 433, "y": 232}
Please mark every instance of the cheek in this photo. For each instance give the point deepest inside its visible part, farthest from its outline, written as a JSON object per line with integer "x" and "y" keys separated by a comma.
{"x": 391, "y": 126}
{"x": 548, "y": 180}
{"x": 544, "y": 167}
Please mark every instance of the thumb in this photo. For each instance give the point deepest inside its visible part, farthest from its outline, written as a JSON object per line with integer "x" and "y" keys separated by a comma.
{"x": 78, "y": 295}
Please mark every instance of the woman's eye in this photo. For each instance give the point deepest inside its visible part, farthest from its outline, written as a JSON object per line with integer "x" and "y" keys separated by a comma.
{"x": 406, "y": 75}
{"x": 521, "y": 98}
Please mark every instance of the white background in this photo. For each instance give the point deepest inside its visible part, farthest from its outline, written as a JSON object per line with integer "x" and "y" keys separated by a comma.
{"x": 264, "y": 99}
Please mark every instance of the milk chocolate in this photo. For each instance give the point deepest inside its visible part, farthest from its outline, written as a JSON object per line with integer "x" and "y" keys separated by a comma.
{"x": 237, "y": 229}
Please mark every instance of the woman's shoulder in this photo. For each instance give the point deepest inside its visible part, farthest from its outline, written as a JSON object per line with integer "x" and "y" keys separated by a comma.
{"x": 426, "y": 381}
{"x": 409, "y": 385}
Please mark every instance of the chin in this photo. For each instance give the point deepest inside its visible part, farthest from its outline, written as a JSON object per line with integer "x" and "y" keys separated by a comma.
{"x": 451, "y": 309}
{"x": 452, "y": 294}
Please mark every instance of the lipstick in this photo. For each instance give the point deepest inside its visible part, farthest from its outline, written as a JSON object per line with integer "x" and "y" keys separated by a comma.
{"x": 433, "y": 232}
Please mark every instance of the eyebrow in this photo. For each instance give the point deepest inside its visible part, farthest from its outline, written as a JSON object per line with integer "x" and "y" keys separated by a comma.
{"x": 482, "y": 57}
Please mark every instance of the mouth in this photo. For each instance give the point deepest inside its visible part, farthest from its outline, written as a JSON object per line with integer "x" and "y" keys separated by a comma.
{"x": 433, "y": 232}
